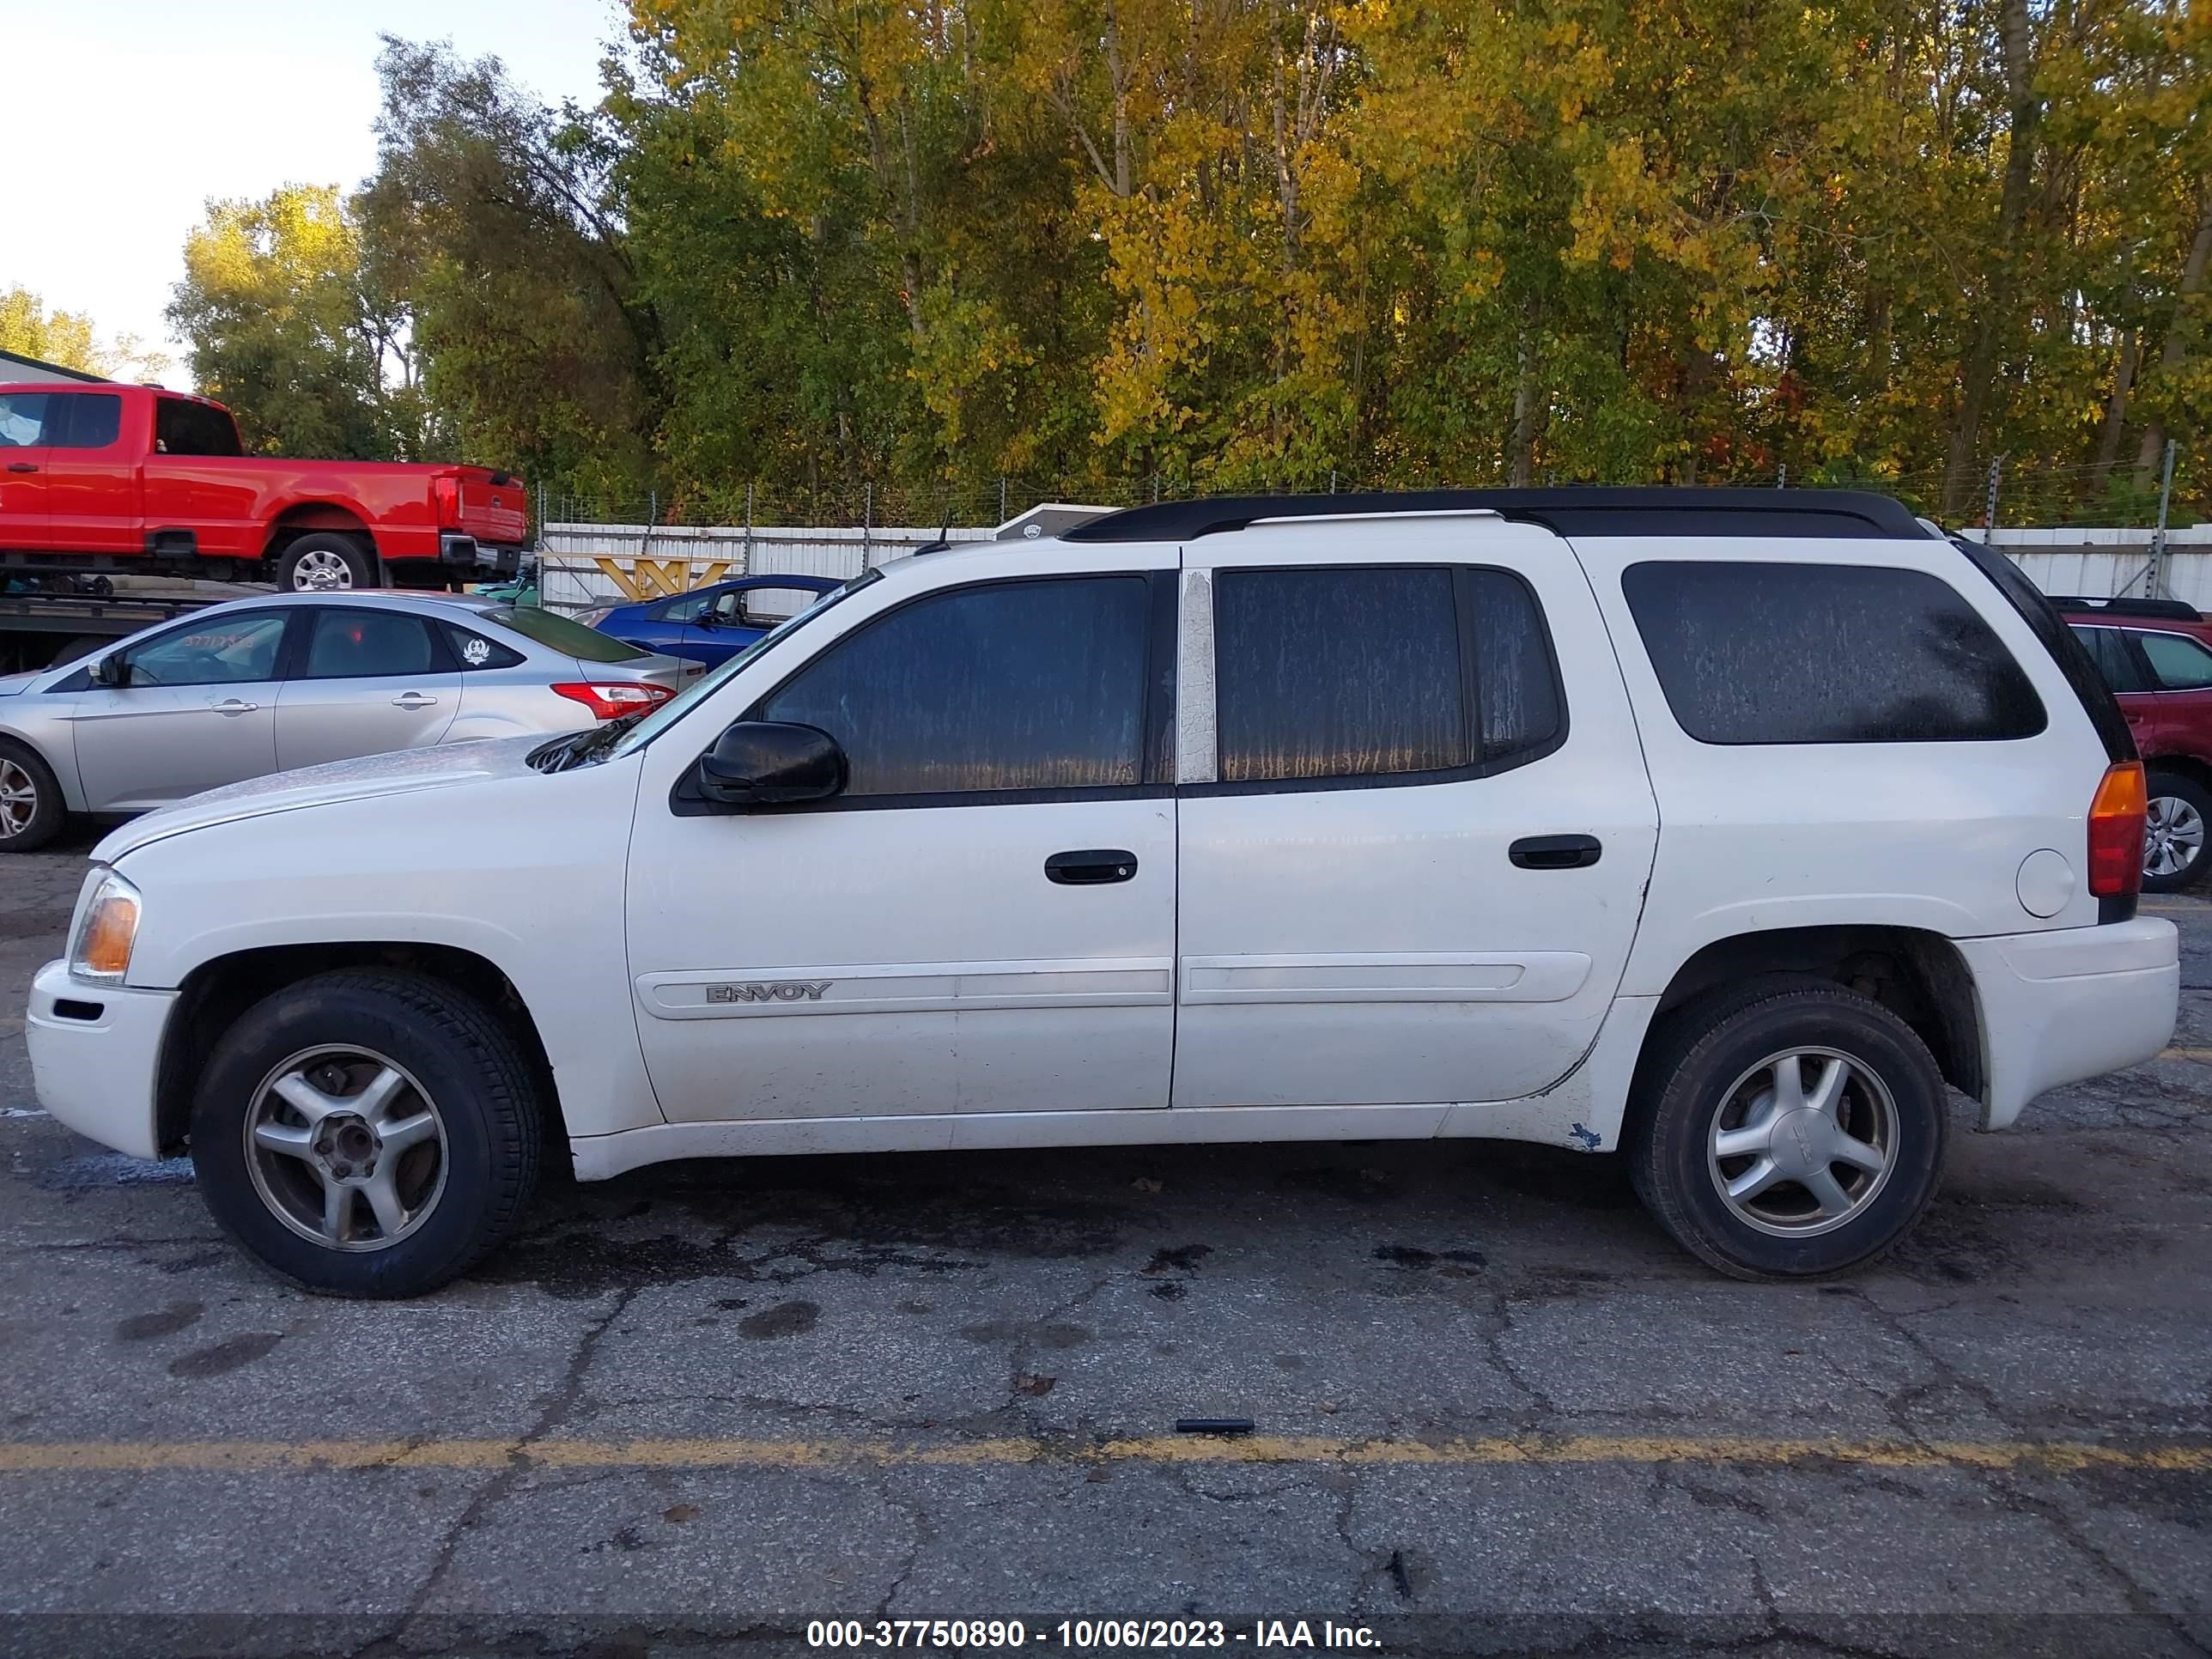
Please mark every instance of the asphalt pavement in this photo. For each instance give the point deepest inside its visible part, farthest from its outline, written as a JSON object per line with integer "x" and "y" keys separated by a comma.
{"x": 709, "y": 1407}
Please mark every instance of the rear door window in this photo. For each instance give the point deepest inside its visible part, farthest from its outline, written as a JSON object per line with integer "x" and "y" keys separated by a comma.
{"x": 1337, "y": 671}
{"x": 84, "y": 420}
{"x": 2178, "y": 663}
{"x": 1798, "y": 653}
{"x": 345, "y": 644}
{"x": 1351, "y": 672}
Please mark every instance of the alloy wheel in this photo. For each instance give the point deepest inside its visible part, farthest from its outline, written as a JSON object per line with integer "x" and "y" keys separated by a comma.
{"x": 346, "y": 1149}
{"x": 19, "y": 798}
{"x": 2173, "y": 836}
{"x": 1803, "y": 1142}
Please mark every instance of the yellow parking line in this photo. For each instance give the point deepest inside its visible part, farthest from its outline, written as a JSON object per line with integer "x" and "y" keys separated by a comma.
{"x": 248, "y": 1456}
{"x": 2185, "y": 1053}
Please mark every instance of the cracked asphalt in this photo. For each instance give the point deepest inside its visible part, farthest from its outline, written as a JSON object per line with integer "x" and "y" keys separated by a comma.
{"x": 692, "y": 1410}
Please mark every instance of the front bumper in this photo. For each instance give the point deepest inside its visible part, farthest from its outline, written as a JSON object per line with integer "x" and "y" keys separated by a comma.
{"x": 2070, "y": 1004}
{"x": 467, "y": 553}
{"x": 96, "y": 1051}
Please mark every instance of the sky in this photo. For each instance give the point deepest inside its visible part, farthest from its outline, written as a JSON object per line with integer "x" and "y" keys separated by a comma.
{"x": 167, "y": 105}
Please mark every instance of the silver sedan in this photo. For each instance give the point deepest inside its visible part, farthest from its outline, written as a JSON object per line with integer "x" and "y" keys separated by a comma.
{"x": 284, "y": 680}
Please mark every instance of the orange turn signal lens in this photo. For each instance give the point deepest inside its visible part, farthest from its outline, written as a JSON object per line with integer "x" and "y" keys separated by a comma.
{"x": 108, "y": 930}
{"x": 2116, "y": 831}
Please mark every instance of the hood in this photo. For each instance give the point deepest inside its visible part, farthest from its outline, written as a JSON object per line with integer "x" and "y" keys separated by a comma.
{"x": 12, "y": 684}
{"x": 401, "y": 772}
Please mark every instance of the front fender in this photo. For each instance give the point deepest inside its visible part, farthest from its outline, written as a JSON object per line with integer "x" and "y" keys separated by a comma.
{"x": 526, "y": 871}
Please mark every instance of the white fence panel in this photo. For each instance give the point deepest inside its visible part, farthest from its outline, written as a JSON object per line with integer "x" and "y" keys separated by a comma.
{"x": 664, "y": 559}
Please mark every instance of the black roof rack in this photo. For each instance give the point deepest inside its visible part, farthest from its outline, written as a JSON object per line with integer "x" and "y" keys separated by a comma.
{"x": 2176, "y": 609}
{"x": 1832, "y": 514}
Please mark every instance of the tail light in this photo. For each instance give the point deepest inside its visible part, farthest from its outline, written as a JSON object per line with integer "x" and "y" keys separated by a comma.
{"x": 446, "y": 500}
{"x": 2116, "y": 831}
{"x": 611, "y": 699}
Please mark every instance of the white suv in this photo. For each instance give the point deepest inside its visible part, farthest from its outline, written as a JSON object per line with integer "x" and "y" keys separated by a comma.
{"x": 1721, "y": 828}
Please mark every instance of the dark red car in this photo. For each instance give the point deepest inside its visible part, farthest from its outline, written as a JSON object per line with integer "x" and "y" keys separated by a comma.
{"x": 2156, "y": 655}
{"x": 101, "y": 478}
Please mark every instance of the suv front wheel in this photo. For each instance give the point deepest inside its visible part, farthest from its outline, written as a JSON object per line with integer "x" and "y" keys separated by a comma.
{"x": 367, "y": 1134}
{"x": 2176, "y": 832}
{"x": 1788, "y": 1131}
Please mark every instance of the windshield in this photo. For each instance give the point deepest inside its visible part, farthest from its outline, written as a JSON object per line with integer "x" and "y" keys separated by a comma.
{"x": 707, "y": 683}
{"x": 550, "y": 628}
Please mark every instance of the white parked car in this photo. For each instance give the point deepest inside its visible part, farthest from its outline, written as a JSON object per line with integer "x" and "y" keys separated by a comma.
{"x": 286, "y": 680}
{"x": 1723, "y": 828}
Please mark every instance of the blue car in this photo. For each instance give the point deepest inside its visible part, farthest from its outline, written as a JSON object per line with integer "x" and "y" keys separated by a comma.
{"x": 710, "y": 624}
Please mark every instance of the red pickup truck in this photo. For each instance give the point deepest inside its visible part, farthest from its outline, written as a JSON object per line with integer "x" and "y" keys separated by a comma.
{"x": 103, "y": 478}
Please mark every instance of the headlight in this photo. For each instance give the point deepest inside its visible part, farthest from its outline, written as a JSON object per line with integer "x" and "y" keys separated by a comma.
{"x": 107, "y": 927}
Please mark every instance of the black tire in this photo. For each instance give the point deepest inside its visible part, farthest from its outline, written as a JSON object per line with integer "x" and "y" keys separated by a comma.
{"x": 312, "y": 556}
{"x": 1691, "y": 1079}
{"x": 2183, "y": 793}
{"x": 465, "y": 1061}
{"x": 21, "y": 767}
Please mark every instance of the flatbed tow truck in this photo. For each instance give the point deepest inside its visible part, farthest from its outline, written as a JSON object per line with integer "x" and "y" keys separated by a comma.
{"x": 64, "y": 617}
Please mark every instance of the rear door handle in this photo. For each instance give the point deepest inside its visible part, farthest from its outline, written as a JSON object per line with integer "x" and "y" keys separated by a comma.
{"x": 233, "y": 706}
{"x": 22, "y": 467}
{"x": 1555, "y": 852}
{"x": 1092, "y": 867}
{"x": 413, "y": 700}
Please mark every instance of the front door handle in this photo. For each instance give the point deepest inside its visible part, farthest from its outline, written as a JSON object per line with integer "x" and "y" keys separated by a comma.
{"x": 413, "y": 700}
{"x": 22, "y": 467}
{"x": 1555, "y": 852}
{"x": 233, "y": 706}
{"x": 1093, "y": 867}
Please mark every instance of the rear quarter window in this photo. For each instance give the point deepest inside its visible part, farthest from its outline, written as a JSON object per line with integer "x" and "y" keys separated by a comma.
{"x": 1795, "y": 653}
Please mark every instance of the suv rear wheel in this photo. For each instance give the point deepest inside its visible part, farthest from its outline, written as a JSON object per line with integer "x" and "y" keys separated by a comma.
{"x": 2176, "y": 832}
{"x": 367, "y": 1134}
{"x": 1789, "y": 1131}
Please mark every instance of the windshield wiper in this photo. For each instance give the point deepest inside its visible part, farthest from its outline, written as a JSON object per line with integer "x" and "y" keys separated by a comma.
{"x": 582, "y": 748}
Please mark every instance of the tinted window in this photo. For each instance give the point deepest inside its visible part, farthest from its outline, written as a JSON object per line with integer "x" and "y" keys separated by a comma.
{"x": 680, "y": 611}
{"x": 220, "y": 650}
{"x": 2176, "y": 662}
{"x": 23, "y": 419}
{"x": 1330, "y": 673}
{"x": 762, "y": 607}
{"x": 1824, "y": 654}
{"x": 2108, "y": 649}
{"x": 1517, "y": 688}
{"x": 183, "y": 428}
{"x": 475, "y": 651}
{"x": 84, "y": 420}
{"x": 550, "y": 628}
{"x": 347, "y": 644}
{"x": 1015, "y": 686}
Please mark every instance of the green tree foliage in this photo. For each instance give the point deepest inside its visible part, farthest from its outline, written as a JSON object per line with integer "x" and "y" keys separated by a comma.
{"x": 68, "y": 338}
{"x": 283, "y": 328}
{"x": 1288, "y": 242}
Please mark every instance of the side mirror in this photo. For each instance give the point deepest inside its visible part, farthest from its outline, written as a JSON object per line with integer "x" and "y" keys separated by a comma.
{"x": 112, "y": 671}
{"x": 771, "y": 764}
